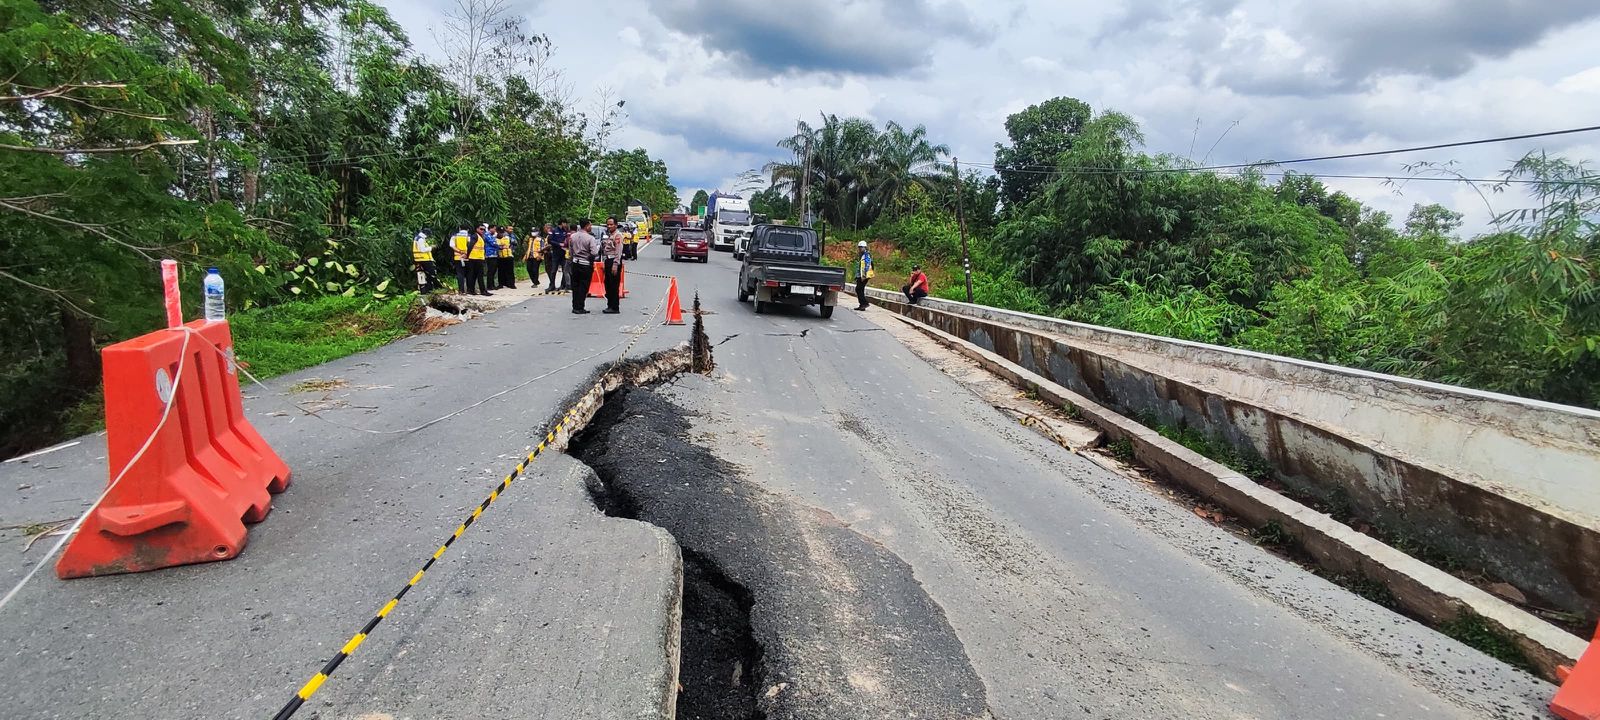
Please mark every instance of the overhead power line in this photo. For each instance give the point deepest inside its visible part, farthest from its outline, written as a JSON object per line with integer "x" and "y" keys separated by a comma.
{"x": 1241, "y": 171}
{"x": 1322, "y": 158}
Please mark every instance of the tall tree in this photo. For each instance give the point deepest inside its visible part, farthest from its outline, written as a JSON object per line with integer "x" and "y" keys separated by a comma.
{"x": 627, "y": 176}
{"x": 92, "y": 125}
{"x": 773, "y": 203}
{"x": 903, "y": 158}
{"x": 489, "y": 43}
{"x": 1039, "y": 135}
{"x": 856, "y": 173}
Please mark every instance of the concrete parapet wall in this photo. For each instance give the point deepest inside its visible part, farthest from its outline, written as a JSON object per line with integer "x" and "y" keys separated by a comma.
{"x": 1502, "y": 483}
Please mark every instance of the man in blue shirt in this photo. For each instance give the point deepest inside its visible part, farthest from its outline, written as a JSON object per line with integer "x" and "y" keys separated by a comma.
{"x": 557, "y": 257}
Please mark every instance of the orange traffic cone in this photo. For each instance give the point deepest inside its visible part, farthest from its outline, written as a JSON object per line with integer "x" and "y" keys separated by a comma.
{"x": 597, "y": 282}
{"x": 674, "y": 310}
{"x": 1579, "y": 696}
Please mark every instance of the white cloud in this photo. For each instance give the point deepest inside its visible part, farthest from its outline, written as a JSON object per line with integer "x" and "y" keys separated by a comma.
{"x": 1300, "y": 77}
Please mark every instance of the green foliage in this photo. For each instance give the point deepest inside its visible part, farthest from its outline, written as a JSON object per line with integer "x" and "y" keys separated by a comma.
{"x": 86, "y": 416}
{"x": 1474, "y": 631}
{"x": 1039, "y": 135}
{"x": 774, "y": 204}
{"x": 1185, "y": 313}
{"x": 857, "y": 173}
{"x": 1370, "y": 589}
{"x": 1293, "y": 269}
{"x": 1272, "y": 535}
{"x": 1002, "y": 290}
{"x": 627, "y": 176}
{"x": 327, "y": 274}
{"x": 1246, "y": 463}
{"x": 699, "y": 201}
{"x": 1128, "y": 240}
{"x": 243, "y": 136}
{"x": 292, "y": 336}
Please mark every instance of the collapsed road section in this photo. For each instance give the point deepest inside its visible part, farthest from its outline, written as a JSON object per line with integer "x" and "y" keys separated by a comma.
{"x": 788, "y": 613}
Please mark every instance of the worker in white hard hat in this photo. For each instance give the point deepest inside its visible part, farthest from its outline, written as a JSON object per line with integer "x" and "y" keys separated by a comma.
{"x": 863, "y": 274}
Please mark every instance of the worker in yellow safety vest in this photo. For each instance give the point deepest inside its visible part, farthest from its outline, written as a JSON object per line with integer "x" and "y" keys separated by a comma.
{"x": 477, "y": 281}
{"x": 458, "y": 247}
{"x": 532, "y": 251}
{"x": 422, "y": 258}
{"x": 863, "y": 273}
{"x": 502, "y": 270}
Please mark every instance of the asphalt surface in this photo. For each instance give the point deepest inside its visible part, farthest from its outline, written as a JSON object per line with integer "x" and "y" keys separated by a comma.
{"x": 1074, "y": 591}
{"x": 1071, "y": 591}
{"x": 544, "y": 608}
{"x": 845, "y": 630}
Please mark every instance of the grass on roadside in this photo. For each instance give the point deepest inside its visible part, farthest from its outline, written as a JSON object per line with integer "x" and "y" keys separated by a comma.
{"x": 284, "y": 338}
{"x": 891, "y": 266}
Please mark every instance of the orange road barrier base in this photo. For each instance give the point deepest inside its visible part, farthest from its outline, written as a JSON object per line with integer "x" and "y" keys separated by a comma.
{"x": 674, "y": 310}
{"x": 204, "y": 473}
{"x": 597, "y": 282}
{"x": 1579, "y": 696}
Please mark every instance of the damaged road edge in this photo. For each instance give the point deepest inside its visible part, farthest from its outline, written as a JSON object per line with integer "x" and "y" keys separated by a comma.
{"x": 789, "y": 614}
{"x": 651, "y": 369}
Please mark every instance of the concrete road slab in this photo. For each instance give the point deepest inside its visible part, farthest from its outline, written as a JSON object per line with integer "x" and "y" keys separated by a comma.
{"x": 543, "y": 609}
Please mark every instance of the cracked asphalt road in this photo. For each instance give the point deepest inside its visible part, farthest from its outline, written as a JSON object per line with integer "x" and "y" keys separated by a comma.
{"x": 1074, "y": 592}
{"x": 1070, "y": 591}
{"x": 845, "y": 629}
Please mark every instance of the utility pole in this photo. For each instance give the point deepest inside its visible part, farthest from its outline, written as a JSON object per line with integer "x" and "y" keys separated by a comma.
{"x": 961, "y": 217}
{"x": 805, "y": 185}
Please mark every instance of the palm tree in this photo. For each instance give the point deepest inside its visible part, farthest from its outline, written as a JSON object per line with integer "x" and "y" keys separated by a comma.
{"x": 857, "y": 173}
{"x": 786, "y": 175}
{"x": 841, "y": 151}
{"x": 901, "y": 159}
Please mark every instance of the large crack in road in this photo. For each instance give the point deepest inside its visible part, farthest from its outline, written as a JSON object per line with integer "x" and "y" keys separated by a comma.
{"x": 788, "y": 613}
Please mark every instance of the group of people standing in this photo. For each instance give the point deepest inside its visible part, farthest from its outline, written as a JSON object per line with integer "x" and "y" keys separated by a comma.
{"x": 485, "y": 259}
{"x": 586, "y": 254}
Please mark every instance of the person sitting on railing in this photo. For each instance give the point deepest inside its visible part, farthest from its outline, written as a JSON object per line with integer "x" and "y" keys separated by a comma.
{"x": 917, "y": 288}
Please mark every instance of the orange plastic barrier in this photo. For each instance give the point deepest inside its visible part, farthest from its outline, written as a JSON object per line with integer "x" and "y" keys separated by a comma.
{"x": 205, "y": 473}
{"x": 1579, "y": 696}
{"x": 597, "y": 281}
{"x": 674, "y": 310}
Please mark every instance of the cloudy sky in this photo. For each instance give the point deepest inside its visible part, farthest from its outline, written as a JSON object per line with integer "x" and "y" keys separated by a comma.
{"x": 711, "y": 85}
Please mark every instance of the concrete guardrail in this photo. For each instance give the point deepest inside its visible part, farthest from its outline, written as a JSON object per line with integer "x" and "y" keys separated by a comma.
{"x": 1507, "y": 484}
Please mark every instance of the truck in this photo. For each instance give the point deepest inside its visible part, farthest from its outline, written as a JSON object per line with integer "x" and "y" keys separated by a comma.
{"x": 728, "y": 219}
{"x": 782, "y": 265}
{"x": 639, "y": 215}
{"x": 671, "y": 223}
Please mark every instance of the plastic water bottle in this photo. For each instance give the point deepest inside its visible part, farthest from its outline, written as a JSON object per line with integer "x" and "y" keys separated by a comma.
{"x": 216, "y": 308}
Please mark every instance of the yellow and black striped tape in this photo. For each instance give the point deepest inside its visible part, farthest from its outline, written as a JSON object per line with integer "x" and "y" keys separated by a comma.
{"x": 316, "y": 681}
{"x": 652, "y": 275}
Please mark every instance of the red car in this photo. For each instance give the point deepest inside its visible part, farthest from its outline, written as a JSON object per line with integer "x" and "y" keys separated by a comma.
{"x": 691, "y": 243}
